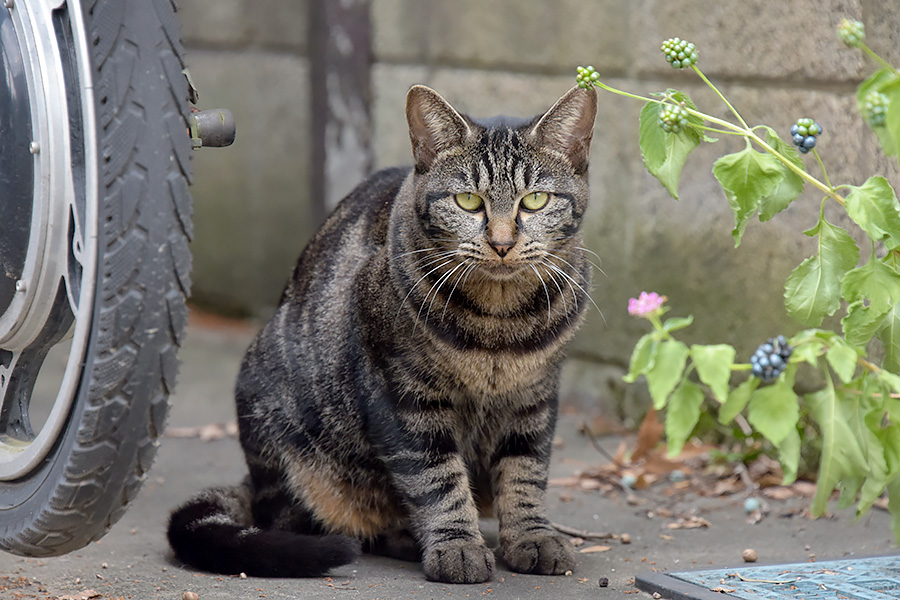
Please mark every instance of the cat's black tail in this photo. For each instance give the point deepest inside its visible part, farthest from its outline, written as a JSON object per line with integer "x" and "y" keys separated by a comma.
{"x": 214, "y": 532}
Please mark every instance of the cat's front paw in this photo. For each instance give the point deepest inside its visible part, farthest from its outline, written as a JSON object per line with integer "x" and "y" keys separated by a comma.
{"x": 459, "y": 561}
{"x": 542, "y": 554}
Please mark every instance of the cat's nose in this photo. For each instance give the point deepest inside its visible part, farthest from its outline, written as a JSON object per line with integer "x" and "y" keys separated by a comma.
{"x": 502, "y": 248}
{"x": 501, "y": 235}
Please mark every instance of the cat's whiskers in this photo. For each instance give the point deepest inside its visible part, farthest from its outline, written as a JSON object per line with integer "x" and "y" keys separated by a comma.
{"x": 402, "y": 254}
{"x": 551, "y": 254}
{"x": 465, "y": 273}
{"x": 561, "y": 294}
{"x": 573, "y": 281}
{"x": 546, "y": 291}
{"x": 435, "y": 288}
{"x": 416, "y": 285}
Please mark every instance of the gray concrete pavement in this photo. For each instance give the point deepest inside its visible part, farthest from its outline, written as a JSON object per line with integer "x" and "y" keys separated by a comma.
{"x": 133, "y": 560}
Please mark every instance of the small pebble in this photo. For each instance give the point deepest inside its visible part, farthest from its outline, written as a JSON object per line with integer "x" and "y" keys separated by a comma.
{"x": 749, "y": 555}
{"x": 657, "y": 595}
{"x": 104, "y": 566}
{"x": 604, "y": 582}
{"x": 676, "y": 476}
{"x": 751, "y": 504}
{"x": 190, "y": 596}
{"x": 243, "y": 575}
{"x": 628, "y": 480}
{"x": 625, "y": 538}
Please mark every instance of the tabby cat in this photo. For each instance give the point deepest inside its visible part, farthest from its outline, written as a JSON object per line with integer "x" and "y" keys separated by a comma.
{"x": 408, "y": 380}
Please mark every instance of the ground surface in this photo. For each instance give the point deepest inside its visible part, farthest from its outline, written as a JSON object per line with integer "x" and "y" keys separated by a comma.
{"x": 133, "y": 560}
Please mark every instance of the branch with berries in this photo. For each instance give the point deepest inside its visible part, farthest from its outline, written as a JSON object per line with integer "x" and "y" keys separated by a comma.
{"x": 857, "y": 411}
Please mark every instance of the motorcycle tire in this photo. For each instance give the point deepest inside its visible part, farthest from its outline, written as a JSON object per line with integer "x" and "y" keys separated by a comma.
{"x": 99, "y": 263}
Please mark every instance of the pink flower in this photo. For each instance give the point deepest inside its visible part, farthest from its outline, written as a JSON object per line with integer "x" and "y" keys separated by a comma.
{"x": 645, "y": 304}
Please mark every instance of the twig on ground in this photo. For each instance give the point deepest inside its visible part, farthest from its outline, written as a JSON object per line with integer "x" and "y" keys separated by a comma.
{"x": 588, "y": 535}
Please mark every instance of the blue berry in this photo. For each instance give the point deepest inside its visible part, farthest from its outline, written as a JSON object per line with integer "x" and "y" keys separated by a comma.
{"x": 679, "y": 53}
{"x": 770, "y": 359}
{"x": 804, "y": 133}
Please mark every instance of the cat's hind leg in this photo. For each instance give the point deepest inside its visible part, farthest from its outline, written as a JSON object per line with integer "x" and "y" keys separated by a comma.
{"x": 399, "y": 544}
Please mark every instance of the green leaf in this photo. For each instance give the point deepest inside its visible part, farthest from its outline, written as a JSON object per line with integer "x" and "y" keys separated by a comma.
{"x": 682, "y": 415}
{"x": 893, "y": 489}
{"x": 676, "y": 323}
{"x": 666, "y": 371}
{"x": 874, "y": 207}
{"x": 809, "y": 350}
{"x": 872, "y": 290}
{"x": 714, "y": 367}
{"x": 664, "y": 153}
{"x": 860, "y": 404}
{"x": 842, "y": 458}
{"x": 861, "y": 323}
{"x": 789, "y": 188}
{"x": 892, "y": 380}
{"x": 813, "y": 289}
{"x": 774, "y": 410}
{"x": 642, "y": 357}
{"x": 737, "y": 400}
{"x": 789, "y": 457}
{"x": 889, "y": 334}
{"x": 747, "y": 177}
{"x": 875, "y": 281}
{"x": 842, "y": 357}
{"x": 891, "y": 130}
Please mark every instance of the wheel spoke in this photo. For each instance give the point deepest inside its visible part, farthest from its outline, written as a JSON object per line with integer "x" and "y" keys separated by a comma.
{"x": 17, "y": 379}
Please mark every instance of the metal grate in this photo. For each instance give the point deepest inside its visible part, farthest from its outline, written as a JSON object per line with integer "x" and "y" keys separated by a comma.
{"x": 851, "y": 579}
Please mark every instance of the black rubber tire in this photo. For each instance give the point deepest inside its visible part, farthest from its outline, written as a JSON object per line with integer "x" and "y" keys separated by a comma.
{"x": 102, "y": 456}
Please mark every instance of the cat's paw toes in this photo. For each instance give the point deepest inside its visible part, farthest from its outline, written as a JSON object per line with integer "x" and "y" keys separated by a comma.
{"x": 544, "y": 554}
{"x": 459, "y": 561}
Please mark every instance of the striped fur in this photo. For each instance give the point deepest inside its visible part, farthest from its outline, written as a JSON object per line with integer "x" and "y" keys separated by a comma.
{"x": 408, "y": 380}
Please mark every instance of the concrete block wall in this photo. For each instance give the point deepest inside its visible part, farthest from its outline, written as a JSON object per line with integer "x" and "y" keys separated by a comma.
{"x": 775, "y": 61}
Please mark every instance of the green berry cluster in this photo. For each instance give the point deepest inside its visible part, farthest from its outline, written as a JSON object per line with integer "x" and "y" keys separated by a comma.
{"x": 587, "y": 77}
{"x": 672, "y": 118}
{"x": 875, "y": 108}
{"x": 679, "y": 53}
{"x": 852, "y": 33}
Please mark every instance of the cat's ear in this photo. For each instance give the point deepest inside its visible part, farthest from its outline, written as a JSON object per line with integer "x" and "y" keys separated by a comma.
{"x": 434, "y": 125}
{"x": 568, "y": 126}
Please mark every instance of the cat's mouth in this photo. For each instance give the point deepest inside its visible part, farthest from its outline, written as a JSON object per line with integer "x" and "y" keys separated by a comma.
{"x": 502, "y": 270}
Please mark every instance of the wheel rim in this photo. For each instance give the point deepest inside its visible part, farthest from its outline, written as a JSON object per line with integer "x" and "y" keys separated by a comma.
{"x": 46, "y": 306}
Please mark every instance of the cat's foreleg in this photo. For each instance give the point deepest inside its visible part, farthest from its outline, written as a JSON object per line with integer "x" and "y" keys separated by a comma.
{"x": 519, "y": 469}
{"x": 431, "y": 476}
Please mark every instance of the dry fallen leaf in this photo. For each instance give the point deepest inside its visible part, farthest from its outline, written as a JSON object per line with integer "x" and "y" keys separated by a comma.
{"x": 85, "y": 595}
{"x": 591, "y": 549}
{"x": 649, "y": 435}
{"x": 693, "y": 522}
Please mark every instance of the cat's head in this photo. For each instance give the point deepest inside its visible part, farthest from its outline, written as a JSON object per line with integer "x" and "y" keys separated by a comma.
{"x": 503, "y": 193}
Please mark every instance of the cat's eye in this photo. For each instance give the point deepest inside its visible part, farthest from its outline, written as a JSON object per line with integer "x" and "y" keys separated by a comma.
{"x": 469, "y": 201}
{"x": 535, "y": 200}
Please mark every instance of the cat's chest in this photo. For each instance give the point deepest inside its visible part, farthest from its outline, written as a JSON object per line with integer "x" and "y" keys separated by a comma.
{"x": 486, "y": 374}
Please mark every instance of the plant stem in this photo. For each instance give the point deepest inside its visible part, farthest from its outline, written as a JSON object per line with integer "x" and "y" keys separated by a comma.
{"x": 720, "y": 95}
{"x": 762, "y": 143}
{"x": 608, "y": 88}
{"x": 878, "y": 59}
{"x": 824, "y": 171}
